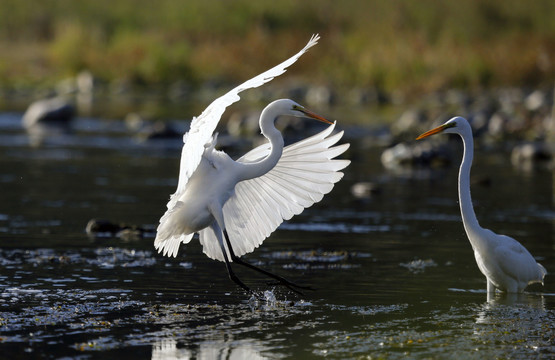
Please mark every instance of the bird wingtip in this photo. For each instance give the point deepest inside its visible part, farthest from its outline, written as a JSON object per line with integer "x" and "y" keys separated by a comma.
{"x": 313, "y": 41}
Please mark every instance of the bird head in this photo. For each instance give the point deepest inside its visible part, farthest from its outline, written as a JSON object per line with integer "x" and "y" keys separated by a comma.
{"x": 289, "y": 107}
{"x": 456, "y": 125}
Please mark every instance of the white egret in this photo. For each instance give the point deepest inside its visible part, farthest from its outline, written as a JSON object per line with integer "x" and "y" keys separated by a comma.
{"x": 235, "y": 205}
{"x": 507, "y": 265}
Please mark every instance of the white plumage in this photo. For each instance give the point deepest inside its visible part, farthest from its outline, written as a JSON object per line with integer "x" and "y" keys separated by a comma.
{"x": 235, "y": 205}
{"x": 506, "y": 264}
{"x": 302, "y": 176}
{"x": 203, "y": 126}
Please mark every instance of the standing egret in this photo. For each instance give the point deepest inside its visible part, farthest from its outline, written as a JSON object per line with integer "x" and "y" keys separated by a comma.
{"x": 235, "y": 205}
{"x": 507, "y": 265}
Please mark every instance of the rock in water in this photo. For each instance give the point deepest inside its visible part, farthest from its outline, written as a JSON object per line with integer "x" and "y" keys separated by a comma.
{"x": 55, "y": 110}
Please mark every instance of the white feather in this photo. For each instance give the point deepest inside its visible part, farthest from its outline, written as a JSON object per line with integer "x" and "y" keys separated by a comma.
{"x": 204, "y": 125}
{"x": 199, "y": 140}
{"x": 303, "y": 175}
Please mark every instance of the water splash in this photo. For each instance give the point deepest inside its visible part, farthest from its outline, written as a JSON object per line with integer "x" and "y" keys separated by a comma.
{"x": 417, "y": 266}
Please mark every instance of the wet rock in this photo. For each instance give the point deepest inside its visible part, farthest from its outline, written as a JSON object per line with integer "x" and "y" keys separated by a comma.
{"x": 527, "y": 156}
{"x": 479, "y": 122}
{"x": 501, "y": 125}
{"x": 422, "y": 153}
{"x": 411, "y": 121}
{"x": 244, "y": 124}
{"x": 135, "y": 122}
{"x": 400, "y": 154}
{"x": 130, "y": 234}
{"x": 150, "y": 130}
{"x": 95, "y": 226}
{"x": 362, "y": 190}
{"x": 535, "y": 101}
{"x": 49, "y": 111}
{"x": 104, "y": 228}
{"x": 497, "y": 124}
{"x": 160, "y": 130}
{"x": 320, "y": 96}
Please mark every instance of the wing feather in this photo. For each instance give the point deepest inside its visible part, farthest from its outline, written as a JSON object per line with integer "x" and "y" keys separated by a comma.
{"x": 306, "y": 172}
{"x": 203, "y": 126}
{"x": 512, "y": 253}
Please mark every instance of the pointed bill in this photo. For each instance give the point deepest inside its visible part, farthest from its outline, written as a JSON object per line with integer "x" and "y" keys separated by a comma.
{"x": 435, "y": 130}
{"x": 315, "y": 116}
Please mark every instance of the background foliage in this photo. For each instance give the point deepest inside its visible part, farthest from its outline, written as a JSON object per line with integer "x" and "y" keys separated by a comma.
{"x": 393, "y": 45}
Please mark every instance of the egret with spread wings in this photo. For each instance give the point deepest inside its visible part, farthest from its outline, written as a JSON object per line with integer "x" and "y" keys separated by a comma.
{"x": 236, "y": 205}
{"x": 507, "y": 264}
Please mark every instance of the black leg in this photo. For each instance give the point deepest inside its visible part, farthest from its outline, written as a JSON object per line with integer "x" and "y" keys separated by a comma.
{"x": 231, "y": 274}
{"x": 290, "y": 285}
{"x": 234, "y": 277}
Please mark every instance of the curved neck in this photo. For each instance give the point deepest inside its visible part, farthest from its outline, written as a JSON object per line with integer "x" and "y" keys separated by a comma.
{"x": 261, "y": 167}
{"x": 465, "y": 201}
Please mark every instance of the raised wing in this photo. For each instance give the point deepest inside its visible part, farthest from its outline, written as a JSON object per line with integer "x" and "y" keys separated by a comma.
{"x": 303, "y": 175}
{"x": 204, "y": 125}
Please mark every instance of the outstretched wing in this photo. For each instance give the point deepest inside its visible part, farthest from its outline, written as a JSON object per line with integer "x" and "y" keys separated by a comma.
{"x": 204, "y": 125}
{"x": 304, "y": 174}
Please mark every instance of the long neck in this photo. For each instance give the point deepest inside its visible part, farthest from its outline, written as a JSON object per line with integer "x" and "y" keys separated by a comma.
{"x": 465, "y": 201}
{"x": 259, "y": 168}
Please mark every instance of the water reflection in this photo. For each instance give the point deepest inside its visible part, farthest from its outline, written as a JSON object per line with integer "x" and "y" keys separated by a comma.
{"x": 383, "y": 266}
{"x": 209, "y": 349}
{"x": 535, "y": 301}
{"x": 43, "y": 134}
{"x": 511, "y": 320}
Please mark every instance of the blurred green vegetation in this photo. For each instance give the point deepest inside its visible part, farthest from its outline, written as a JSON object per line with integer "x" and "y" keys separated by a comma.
{"x": 393, "y": 45}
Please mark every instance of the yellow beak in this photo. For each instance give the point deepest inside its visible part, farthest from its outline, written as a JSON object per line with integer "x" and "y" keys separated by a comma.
{"x": 312, "y": 115}
{"x": 435, "y": 130}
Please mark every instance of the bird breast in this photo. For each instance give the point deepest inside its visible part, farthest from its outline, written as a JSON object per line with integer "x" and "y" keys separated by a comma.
{"x": 213, "y": 182}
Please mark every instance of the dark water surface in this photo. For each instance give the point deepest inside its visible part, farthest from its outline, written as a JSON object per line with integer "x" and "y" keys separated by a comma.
{"x": 394, "y": 274}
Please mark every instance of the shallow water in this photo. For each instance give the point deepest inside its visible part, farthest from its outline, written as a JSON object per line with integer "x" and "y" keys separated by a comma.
{"x": 394, "y": 275}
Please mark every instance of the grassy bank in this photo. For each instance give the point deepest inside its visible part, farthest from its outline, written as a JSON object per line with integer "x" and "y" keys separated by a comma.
{"x": 394, "y": 45}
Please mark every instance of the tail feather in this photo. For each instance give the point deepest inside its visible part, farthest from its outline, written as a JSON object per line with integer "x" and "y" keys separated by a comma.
{"x": 169, "y": 234}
